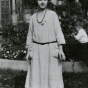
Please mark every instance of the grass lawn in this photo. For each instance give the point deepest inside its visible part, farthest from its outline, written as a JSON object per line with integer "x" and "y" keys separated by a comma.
{"x": 16, "y": 79}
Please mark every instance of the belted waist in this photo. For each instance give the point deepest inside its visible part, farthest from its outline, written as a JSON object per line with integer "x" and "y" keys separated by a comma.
{"x": 44, "y": 43}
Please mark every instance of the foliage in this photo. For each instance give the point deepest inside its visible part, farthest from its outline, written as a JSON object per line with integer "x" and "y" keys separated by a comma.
{"x": 12, "y": 78}
{"x": 62, "y": 7}
{"x": 76, "y": 9}
{"x": 14, "y": 41}
{"x": 75, "y": 80}
{"x": 30, "y": 3}
{"x": 19, "y": 79}
{"x": 16, "y": 79}
{"x": 70, "y": 13}
{"x": 16, "y": 33}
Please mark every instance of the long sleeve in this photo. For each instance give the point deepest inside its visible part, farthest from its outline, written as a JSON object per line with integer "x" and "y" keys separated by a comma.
{"x": 81, "y": 36}
{"x": 29, "y": 35}
{"x": 58, "y": 32}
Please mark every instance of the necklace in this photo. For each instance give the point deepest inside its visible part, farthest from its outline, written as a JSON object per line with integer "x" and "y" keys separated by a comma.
{"x": 42, "y": 18}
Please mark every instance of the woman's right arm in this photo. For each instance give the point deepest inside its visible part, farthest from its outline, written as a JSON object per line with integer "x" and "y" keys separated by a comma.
{"x": 29, "y": 40}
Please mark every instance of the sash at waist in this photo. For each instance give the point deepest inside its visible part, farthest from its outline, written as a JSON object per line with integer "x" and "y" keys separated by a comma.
{"x": 44, "y": 43}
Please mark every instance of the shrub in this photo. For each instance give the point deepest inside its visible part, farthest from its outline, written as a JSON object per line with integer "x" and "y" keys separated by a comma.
{"x": 14, "y": 41}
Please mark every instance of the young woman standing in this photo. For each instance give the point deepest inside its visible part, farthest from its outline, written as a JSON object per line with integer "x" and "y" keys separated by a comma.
{"x": 44, "y": 41}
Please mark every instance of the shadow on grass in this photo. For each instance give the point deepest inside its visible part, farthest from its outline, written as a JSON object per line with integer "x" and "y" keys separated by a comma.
{"x": 16, "y": 79}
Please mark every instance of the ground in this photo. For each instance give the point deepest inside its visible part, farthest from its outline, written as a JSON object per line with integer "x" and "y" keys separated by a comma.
{"x": 16, "y": 79}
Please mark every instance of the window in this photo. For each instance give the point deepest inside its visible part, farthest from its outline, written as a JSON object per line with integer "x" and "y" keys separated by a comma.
{"x": 5, "y": 11}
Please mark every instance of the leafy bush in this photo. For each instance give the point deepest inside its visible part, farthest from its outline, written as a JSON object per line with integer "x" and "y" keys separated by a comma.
{"x": 68, "y": 18}
{"x": 14, "y": 41}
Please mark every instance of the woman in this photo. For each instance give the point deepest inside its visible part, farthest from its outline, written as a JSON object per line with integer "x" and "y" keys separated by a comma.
{"x": 44, "y": 41}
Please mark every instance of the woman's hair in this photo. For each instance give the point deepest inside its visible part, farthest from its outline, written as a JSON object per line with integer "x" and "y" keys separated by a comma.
{"x": 36, "y": 3}
{"x": 78, "y": 24}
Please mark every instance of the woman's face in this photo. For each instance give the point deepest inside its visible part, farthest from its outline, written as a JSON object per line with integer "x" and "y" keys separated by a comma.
{"x": 42, "y": 3}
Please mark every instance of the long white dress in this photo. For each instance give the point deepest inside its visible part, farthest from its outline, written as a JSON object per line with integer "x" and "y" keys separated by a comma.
{"x": 45, "y": 70}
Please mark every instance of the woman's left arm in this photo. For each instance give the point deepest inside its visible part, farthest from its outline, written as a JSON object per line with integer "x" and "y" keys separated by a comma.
{"x": 59, "y": 36}
{"x": 58, "y": 31}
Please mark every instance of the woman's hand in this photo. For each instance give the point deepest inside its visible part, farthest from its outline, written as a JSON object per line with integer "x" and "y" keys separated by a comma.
{"x": 28, "y": 57}
{"x": 61, "y": 53}
{"x": 73, "y": 34}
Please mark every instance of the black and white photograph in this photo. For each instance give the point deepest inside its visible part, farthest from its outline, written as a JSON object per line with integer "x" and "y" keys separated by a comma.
{"x": 43, "y": 43}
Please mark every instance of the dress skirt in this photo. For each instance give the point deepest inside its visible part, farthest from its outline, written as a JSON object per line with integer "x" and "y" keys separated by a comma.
{"x": 45, "y": 70}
